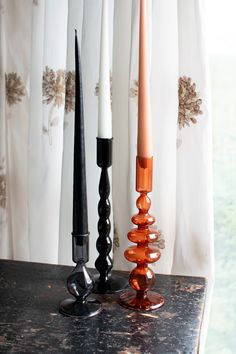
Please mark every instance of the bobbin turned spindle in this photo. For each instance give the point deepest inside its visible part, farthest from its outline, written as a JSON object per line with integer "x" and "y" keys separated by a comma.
{"x": 105, "y": 281}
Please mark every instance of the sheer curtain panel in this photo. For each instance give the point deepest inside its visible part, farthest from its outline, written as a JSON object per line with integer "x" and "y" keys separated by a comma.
{"x": 36, "y": 128}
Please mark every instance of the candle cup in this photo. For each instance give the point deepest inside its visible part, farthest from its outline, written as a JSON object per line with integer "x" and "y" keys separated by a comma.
{"x": 105, "y": 282}
{"x": 80, "y": 284}
{"x": 142, "y": 278}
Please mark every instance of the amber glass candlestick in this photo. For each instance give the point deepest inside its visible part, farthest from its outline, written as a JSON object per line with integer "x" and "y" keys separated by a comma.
{"x": 142, "y": 278}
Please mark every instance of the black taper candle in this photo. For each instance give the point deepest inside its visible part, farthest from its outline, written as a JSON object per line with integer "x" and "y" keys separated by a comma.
{"x": 80, "y": 213}
{"x": 80, "y": 282}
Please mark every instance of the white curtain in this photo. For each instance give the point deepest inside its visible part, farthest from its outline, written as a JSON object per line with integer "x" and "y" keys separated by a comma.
{"x": 36, "y": 128}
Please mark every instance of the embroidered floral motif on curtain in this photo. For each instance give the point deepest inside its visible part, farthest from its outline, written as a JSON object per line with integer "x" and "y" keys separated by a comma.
{"x": 189, "y": 102}
{"x": 96, "y": 92}
{"x": 133, "y": 91}
{"x": 15, "y": 89}
{"x": 70, "y": 92}
{"x": 58, "y": 90}
{"x": 54, "y": 87}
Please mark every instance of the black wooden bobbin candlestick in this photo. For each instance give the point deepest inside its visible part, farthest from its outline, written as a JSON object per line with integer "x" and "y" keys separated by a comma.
{"x": 105, "y": 282}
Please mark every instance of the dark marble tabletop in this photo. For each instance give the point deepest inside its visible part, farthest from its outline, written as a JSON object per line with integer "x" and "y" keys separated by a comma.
{"x": 30, "y": 322}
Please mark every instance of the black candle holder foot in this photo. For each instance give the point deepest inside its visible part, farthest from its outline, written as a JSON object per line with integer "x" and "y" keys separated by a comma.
{"x": 71, "y": 307}
{"x": 80, "y": 284}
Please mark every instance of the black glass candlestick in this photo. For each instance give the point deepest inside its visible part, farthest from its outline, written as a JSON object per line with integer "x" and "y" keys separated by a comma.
{"x": 80, "y": 283}
{"x": 105, "y": 282}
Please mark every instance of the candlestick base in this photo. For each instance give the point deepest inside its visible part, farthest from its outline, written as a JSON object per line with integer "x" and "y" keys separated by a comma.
{"x": 114, "y": 284}
{"x": 71, "y": 307}
{"x": 147, "y": 302}
{"x": 80, "y": 284}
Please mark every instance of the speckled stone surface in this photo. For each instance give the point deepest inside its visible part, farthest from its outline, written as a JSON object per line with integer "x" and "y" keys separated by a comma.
{"x": 30, "y": 322}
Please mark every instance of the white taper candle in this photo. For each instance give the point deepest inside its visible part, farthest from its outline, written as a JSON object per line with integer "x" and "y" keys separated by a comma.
{"x": 104, "y": 100}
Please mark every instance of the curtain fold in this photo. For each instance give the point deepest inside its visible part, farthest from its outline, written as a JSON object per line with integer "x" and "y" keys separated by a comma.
{"x": 121, "y": 127}
{"x": 16, "y": 58}
{"x": 194, "y": 245}
{"x": 194, "y": 223}
{"x": 164, "y": 101}
{"x": 46, "y": 135}
{"x": 5, "y": 237}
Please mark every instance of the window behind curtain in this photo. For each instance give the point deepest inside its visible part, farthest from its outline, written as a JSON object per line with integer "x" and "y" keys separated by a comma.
{"x": 222, "y": 54}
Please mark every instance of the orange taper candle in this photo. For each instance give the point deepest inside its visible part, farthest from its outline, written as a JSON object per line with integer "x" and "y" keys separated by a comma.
{"x": 144, "y": 110}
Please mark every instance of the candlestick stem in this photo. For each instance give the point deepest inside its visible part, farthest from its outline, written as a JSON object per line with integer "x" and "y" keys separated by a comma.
{"x": 105, "y": 282}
